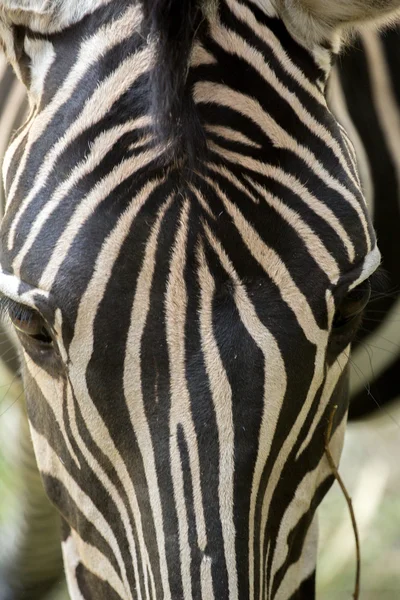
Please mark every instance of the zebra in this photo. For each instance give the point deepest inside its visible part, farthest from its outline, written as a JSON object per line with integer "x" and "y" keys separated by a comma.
{"x": 25, "y": 565}
{"x": 186, "y": 255}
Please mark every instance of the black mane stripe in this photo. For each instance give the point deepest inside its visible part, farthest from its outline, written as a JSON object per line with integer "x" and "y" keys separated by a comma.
{"x": 173, "y": 25}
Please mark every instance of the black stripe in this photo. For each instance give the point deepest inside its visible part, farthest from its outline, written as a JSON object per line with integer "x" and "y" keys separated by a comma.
{"x": 91, "y": 587}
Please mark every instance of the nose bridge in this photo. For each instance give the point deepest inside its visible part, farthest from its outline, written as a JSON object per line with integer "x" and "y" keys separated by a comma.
{"x": 204, "y": 440}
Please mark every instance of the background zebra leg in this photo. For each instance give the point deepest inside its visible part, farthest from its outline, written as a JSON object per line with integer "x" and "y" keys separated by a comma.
{"x": 30, "y": 550}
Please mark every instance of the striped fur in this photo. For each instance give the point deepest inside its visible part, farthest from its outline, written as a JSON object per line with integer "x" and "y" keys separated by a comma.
{"x": 179, "y": 417}
{"x": 369, "y": 70}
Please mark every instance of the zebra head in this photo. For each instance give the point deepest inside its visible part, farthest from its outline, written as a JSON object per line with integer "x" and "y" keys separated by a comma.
{"x": 185, "y": 257}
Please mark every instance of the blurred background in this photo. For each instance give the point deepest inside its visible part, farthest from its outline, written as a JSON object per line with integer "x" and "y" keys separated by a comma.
{"x": 370, "y": 468}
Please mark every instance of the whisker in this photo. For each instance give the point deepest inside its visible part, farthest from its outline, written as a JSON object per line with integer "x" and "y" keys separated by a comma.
{"x": 367, "y": 387}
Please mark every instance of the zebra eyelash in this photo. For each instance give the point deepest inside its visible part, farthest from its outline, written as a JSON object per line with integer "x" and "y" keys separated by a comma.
{"x": 8, "y": 306}
{"x": 27, "y": 321}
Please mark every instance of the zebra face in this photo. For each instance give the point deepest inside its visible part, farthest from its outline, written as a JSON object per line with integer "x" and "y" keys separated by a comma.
{"x": 185, "y": 284}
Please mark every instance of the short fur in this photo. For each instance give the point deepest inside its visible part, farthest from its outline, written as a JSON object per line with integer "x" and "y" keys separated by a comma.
{"x": 179, "y": 422}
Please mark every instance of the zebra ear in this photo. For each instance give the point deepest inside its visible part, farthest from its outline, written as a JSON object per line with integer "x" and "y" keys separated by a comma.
{"x": 40, "y": 7}
{"x": 342, "y": 12}
{"x": 319, "y": 19}
{"x": 25, "y": 13}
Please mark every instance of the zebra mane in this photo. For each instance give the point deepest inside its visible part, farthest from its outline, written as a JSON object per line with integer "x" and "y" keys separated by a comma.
{"x": 173, "y": 25}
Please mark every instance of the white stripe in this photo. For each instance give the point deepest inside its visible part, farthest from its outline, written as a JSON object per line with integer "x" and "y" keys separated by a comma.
{"x": 233, "y": 43}
{"x": 133, "y": 391}
{"x": 75, "y": 550}
{"x": 42, "y": 57}
{"x": 222, "y": 400}
{"x": 86, "y": 209}
{"x": 274, "y": 390}
{"x": 232, "y": 135}
{"x": 332, "y": 377}
{"x": 287, "y": 180}
{"x": 180, "y": 411}
{"x": 275, "y": 268}
{"x": 311, "y": 240}
{"x": 98, "y": 151}
{"x": 105, "y": 482}
{"x": 81, "y": 354}
{"x": 249, "y": 107}
{"x": 275, "y": 46}
{"x": 91, "y": 50}
{"x": 52, "y": 391}
{"x": 299, "y": 571}
{"x": 50, "y": 464}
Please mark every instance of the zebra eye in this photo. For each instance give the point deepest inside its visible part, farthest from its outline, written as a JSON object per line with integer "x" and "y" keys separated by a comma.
{"x": 29, "y": 322}
{"x": 352, "y": 305}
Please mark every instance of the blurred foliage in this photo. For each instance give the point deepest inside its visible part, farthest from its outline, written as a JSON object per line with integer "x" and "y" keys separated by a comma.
{"x": 370, "y": 468}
